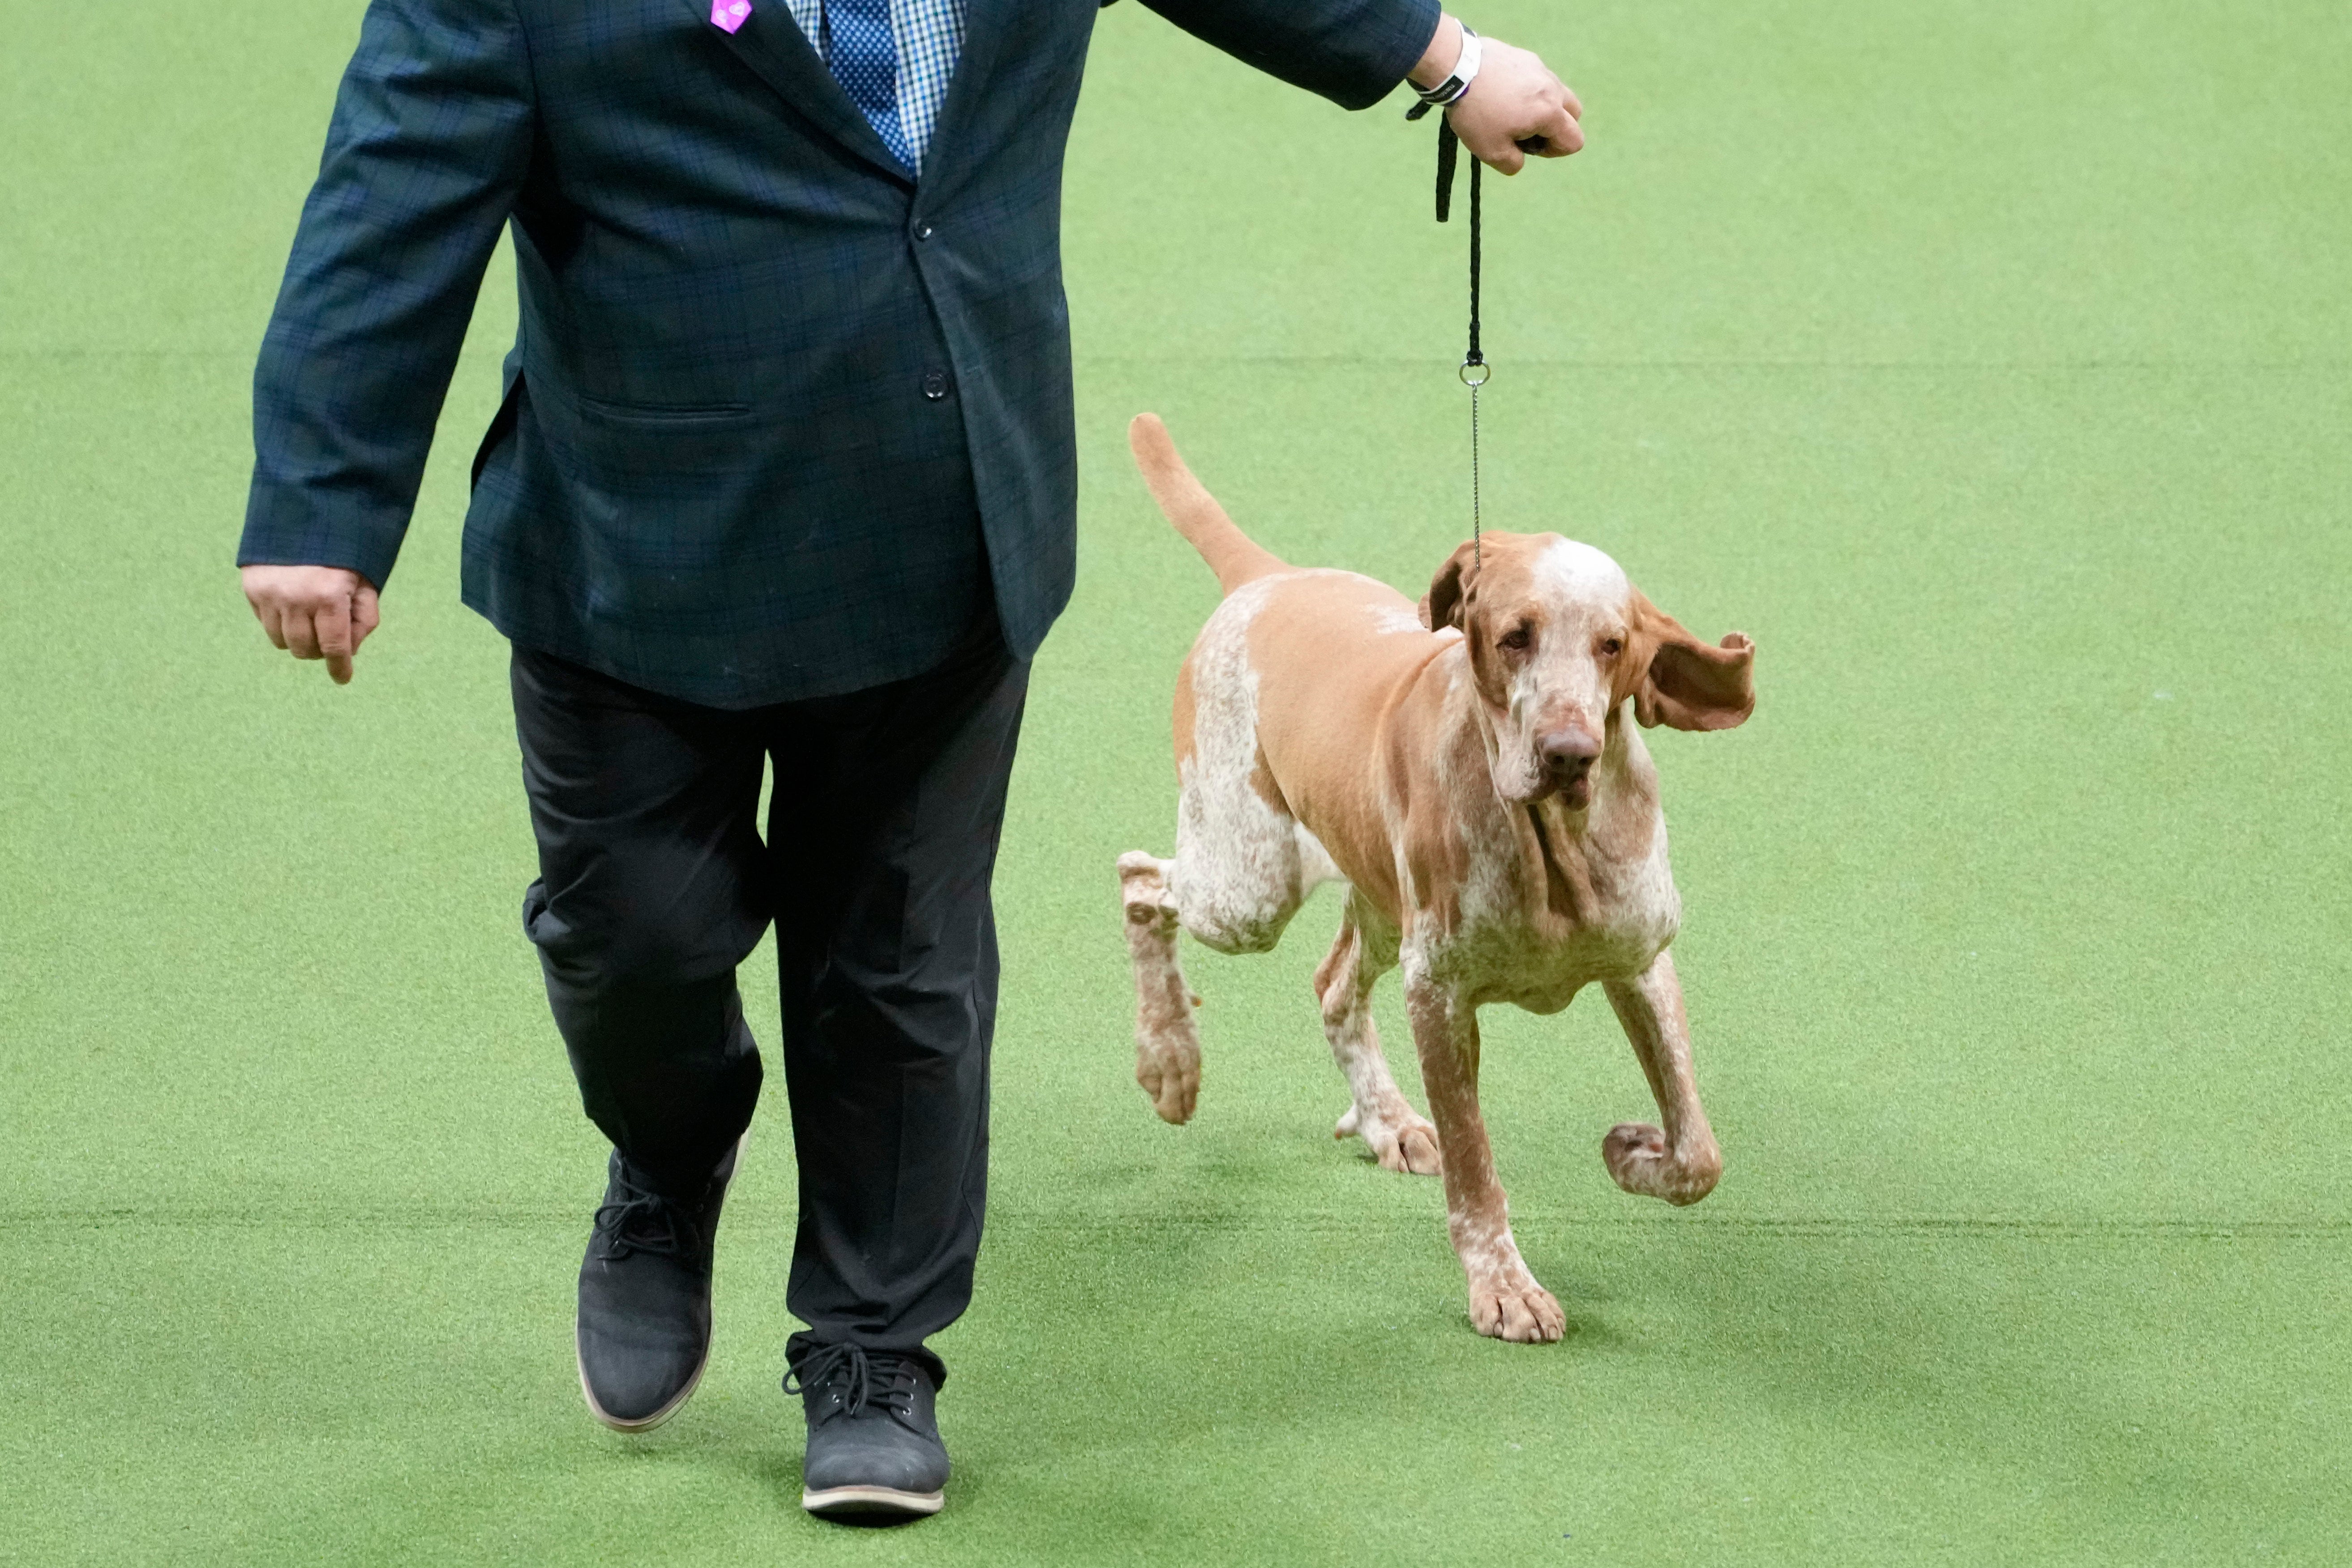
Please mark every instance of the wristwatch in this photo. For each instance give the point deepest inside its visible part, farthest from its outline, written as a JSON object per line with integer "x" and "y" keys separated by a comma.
{"x": 1465, "y": 71}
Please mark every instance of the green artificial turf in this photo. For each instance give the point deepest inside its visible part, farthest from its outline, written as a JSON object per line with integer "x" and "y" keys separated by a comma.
{"x": 1988, "y": 364}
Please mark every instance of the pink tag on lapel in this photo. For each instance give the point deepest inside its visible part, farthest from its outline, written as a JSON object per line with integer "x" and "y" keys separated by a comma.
{"x": 726, "y": 16}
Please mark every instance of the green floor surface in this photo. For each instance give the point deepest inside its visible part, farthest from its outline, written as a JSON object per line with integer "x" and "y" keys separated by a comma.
{"x": 1992, "y": 366}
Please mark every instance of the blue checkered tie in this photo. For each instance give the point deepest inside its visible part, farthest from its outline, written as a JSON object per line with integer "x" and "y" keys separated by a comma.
{"x": 865, "y": 60}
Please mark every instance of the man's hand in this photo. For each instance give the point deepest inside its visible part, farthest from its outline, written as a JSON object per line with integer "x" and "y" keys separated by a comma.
{"x": 1514, "y": 99}
{"x": 313, "y": 611}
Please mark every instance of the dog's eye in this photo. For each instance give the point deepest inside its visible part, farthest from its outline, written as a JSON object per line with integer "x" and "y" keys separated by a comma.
{"x": 1516, "y": 639}
{"x": 1611, "y": 648}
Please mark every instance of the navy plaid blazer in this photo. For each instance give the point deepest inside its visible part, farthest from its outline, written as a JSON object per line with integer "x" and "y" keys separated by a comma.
{"x": 778, "y": 414}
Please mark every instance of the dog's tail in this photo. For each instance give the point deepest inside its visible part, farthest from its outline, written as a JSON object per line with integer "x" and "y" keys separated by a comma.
{"x": 1232, "y": 554}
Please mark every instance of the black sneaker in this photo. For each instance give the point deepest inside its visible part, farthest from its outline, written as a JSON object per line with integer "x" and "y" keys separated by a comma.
{"x": 644, "y": 1331}
{"x": 874, "y": 1443}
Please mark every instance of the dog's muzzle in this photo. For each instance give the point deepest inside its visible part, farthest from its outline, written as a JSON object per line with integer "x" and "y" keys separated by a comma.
{"x": 1567, "y": 756}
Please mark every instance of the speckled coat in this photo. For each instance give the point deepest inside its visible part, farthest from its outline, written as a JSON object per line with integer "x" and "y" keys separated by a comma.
{"x": 1467, "y": 770}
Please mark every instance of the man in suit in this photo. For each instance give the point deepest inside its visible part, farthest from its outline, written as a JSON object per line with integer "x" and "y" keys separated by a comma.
{"x": 785, "y": 471}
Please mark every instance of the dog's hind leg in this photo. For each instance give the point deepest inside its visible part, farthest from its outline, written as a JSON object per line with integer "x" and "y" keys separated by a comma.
{"x": 1365, "y": 949}
{"x": 1241, "y": 870}
{"x": 1242, "y": 865}
{"x": 1679, "y": 1162}
{"x": 1167, "y": 1041}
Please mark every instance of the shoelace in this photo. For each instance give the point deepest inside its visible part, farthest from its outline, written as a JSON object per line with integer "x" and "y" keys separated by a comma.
{"x": 877, "y": 1378}
{"x": 643, "y": 1221}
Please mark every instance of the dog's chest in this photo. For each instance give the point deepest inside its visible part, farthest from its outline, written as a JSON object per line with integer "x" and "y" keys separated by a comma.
{"x": 1536, "y": 928}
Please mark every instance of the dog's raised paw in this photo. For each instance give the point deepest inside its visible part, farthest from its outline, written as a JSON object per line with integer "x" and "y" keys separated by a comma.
{"x": 1640, "y": 1162}
{"x": 1143, "y": 892}
{"x": 1630, "y": 1143}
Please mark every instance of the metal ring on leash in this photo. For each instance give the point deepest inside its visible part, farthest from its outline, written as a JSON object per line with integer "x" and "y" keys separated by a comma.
{"x": 1486, "y": 372}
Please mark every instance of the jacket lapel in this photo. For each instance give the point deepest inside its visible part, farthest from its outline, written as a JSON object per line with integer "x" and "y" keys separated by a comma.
{"x": 772, "y": 45}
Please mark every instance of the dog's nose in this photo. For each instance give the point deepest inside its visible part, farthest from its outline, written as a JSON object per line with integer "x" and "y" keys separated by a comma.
{"x": 1569, "y": 751}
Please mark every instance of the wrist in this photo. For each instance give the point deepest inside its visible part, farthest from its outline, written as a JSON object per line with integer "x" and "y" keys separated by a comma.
{"x": 1449, "y": 88}
{"x": 1437, "y": 62}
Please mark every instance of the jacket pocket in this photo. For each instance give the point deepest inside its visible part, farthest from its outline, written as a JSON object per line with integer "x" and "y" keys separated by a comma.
{"x": 663, "y": 414}
{"x": 660, "y": 451}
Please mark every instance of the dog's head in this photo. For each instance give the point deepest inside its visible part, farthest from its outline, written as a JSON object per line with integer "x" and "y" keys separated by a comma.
{"x": 1558, "y": 641}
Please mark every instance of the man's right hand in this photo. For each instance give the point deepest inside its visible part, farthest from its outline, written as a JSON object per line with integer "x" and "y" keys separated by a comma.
{"x": 1516, "y": 104}
{"x": 313, "y": 611}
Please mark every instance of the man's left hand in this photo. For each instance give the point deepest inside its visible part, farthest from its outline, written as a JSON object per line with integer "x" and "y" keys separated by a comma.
{"x": 1514, "y": 99}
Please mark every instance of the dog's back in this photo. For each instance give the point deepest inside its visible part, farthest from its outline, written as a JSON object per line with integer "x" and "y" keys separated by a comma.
{"x": 1294, "y": 675}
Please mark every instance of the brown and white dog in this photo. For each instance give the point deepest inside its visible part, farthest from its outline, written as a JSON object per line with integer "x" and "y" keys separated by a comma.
{"x": 1468, "y": 773}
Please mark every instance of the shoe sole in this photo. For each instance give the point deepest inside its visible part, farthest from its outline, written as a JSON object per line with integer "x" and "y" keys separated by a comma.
{"x": 647, "y": 1422}
{"x": 871, "y": 1500}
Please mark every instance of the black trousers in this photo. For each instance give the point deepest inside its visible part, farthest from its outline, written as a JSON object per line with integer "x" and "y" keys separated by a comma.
{"x": 654, "y": 884}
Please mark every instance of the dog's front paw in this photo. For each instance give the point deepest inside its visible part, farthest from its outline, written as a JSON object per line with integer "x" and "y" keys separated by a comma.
{"x": 1640, "y": 1162}
{"x": 1400, "y": 1141}
{"x": 1519, "y": 1311}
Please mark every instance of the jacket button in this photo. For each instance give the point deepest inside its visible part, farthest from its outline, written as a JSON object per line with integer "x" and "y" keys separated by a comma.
{"x": 922, "y": 231}
{"x": 935, "y": 384}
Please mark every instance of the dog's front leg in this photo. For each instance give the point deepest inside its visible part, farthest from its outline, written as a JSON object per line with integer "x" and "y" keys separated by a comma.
{"x": 1680, "y": 1162}
{"x": 1505, "y": 1299}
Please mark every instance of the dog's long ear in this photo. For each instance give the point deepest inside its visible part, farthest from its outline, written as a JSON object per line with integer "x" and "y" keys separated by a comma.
{"x": 1683, "y": 682}
{"x": 1449, "y": 591}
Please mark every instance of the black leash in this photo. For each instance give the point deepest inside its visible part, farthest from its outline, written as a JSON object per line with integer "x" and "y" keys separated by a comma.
{"x": 1474, "y": 372}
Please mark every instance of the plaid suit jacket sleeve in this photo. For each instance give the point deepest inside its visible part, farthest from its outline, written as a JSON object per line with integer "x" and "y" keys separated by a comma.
{"x": 1353, "y": 52}
{"x": 430, "y": 141}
